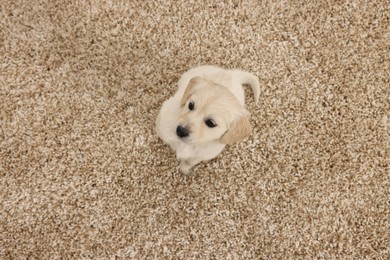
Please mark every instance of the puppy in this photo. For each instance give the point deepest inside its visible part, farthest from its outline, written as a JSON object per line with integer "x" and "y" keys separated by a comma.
{"x": 206, "y": 113}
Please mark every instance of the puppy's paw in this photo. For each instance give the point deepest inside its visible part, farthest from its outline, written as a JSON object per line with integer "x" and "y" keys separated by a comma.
{"x": 185, "y": 167}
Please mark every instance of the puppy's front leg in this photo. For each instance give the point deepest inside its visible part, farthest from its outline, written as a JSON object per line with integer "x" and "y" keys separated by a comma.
{"x": 186, "y": 165}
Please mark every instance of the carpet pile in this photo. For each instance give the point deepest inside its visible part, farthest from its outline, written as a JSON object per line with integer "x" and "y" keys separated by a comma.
{"x": 84, "y": 176}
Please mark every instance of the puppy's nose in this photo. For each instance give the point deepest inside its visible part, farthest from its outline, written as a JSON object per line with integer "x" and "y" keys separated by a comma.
{"x": 182, "y": 132}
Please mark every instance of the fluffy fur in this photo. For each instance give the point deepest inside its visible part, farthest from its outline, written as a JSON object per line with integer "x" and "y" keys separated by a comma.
{"x": 206, "y": 113}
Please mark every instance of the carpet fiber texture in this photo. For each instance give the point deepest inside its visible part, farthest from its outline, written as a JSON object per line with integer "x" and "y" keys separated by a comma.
{"x": 83, "y": 174}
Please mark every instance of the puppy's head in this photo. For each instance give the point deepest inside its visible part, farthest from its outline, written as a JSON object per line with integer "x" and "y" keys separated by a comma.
{"x": 210, "y": 112}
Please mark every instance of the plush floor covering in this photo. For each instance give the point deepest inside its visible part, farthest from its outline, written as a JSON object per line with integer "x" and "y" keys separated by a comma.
{"x": 84, "y": 176}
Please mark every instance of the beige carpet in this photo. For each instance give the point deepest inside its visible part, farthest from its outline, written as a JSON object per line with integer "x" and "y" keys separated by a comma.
{"x": 84, "y": 176}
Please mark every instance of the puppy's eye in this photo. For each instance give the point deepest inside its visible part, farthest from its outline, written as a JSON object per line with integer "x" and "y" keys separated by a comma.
{"x": 191, "y": 105}
{"x": 210, "y": 123}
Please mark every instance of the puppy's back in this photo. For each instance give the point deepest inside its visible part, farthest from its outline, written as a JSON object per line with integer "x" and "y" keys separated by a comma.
{"x": 205, "y": 71}
{"x": 232, "y": 79}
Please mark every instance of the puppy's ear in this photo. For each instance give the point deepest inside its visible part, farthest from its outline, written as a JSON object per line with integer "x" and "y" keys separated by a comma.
{"x": 187, "y": 93}
{"x": 239, "y": 129}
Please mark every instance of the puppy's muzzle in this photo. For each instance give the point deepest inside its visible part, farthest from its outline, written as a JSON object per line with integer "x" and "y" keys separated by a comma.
{"x": 182, "y": 132}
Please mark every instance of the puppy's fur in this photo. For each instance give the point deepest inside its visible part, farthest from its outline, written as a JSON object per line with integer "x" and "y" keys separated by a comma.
{"x": 206, "y": 113}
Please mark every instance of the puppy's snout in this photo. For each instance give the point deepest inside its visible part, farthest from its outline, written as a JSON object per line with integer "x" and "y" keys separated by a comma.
{"x": 182, "y": 132}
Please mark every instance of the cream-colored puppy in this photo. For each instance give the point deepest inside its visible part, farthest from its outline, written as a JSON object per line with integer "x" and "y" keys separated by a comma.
{"x": 206, "y": 113}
